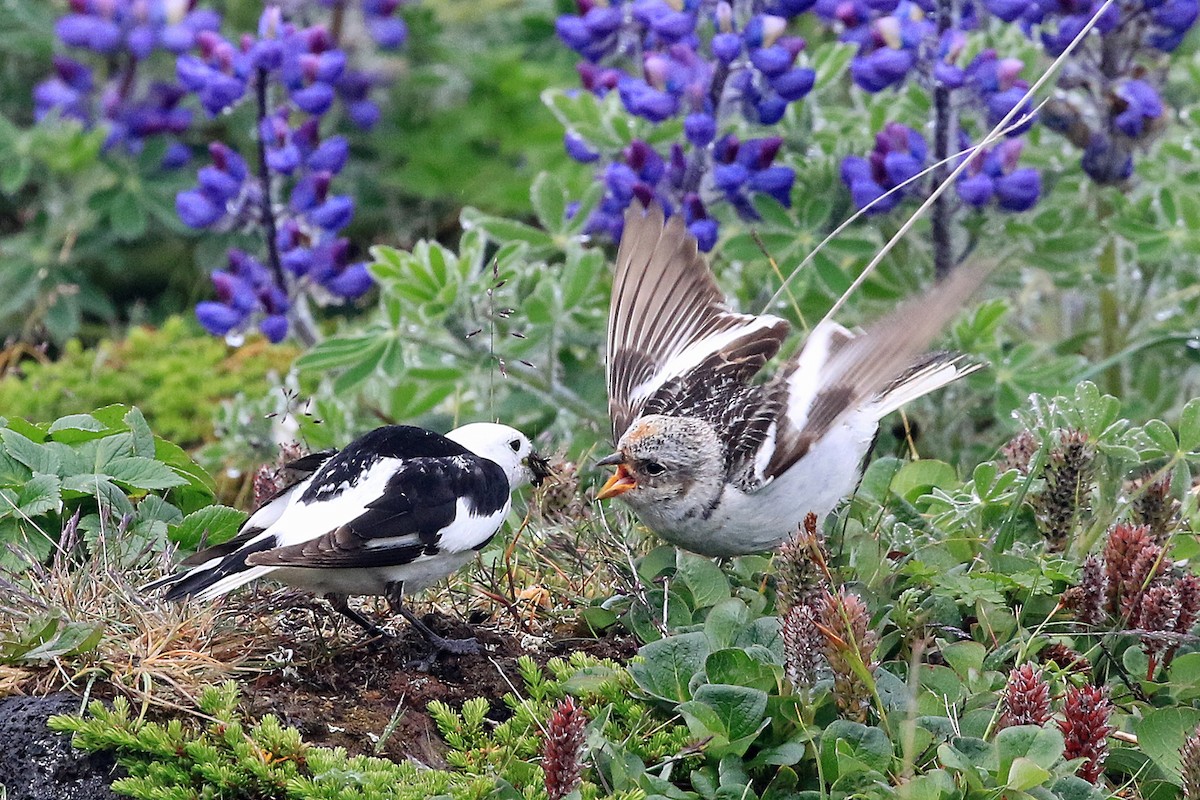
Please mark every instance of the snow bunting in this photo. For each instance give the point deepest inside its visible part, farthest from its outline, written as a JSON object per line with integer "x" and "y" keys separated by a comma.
{"x": 398, "y": 509}
{"x": 720, "y": 465}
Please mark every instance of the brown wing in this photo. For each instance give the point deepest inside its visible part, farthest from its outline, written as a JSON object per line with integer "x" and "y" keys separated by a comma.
{"x": 854, "y": 370}
{"x": 668, "y": 320}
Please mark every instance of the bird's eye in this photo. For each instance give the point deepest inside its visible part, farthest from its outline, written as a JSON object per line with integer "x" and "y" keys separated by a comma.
{"x": 654, "y": 468}
{"x": 515, "y": 444}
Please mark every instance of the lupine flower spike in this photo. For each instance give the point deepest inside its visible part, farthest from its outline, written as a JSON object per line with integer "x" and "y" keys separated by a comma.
{"x": 701, "y": 63}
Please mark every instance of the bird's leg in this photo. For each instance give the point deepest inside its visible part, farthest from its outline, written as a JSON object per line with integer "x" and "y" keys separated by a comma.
{"x": 441, "y": 644}
{"x": 342, "y": 606}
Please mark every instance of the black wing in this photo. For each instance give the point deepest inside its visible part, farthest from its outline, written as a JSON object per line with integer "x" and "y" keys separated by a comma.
{"x": 417, "y": 514}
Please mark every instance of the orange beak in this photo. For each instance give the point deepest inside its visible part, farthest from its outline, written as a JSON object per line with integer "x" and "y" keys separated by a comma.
{"x": 620, "y": 483}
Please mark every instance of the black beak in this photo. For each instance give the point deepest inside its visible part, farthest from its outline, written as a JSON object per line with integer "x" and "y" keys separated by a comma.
{"x": 611, "y": 461}
{"x": 539, "y": 466}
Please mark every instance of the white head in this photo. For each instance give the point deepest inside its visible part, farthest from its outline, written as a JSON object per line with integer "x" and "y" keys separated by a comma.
{"x": 507, "y": 446}
{"x": 672, "y": 466}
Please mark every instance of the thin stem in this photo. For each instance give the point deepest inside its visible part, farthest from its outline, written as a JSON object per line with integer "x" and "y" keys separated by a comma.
{"x": 943, "y": 124}
{"x": 302, "y": 321}
{"x": 1110, "y": 313}
{"x": 264, "y": 179}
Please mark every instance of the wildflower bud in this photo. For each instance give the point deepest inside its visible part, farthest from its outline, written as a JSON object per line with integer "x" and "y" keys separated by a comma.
{"x": 1093, "y": 589}
{"x": 1066, "y": 496}
{"x": 1189, "y": 758}
{"x": 1124, "y": 544}
{"x": 802, "y": 646}
{"x": 1085, "y": 728}
{"x": 800, "y": 567}
{"x": 844, "y": 621}
{"x": 1065, "y": 658}
{"x": 1018, "y": 452}
{"x": 1159, "y": 614}
{"x": 1026, "y": 698}
{"x": 1148, "y": 566}
{"x": 562, "y": 752}
{"x": 1154, "y": 507}
{"x": 1188, "y": 589}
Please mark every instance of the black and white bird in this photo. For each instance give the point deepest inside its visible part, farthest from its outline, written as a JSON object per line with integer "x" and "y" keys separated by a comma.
{"x": 721, "y": 465}
{"x": 396, "y": 510}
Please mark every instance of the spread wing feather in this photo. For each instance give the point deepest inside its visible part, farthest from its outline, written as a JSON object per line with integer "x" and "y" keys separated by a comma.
{"x": 845, "y": 372}
{"x": 669, "y": 329}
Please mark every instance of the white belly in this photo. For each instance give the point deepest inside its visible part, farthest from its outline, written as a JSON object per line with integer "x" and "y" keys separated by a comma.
{"x": 763, "y": 520}
{"x": 416, "y": 576}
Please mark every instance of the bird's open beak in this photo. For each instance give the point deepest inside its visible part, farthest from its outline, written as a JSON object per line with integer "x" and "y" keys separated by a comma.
{"x": 539, "y": 468}
{"x": 621, "y": 481}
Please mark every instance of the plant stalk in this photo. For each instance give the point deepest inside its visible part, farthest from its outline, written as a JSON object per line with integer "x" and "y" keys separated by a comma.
{"x": 943, "y": 124}
{"x": 301, "y": 320}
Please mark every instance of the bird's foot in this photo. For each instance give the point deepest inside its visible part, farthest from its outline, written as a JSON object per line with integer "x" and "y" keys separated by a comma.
{"x": 440, "y": 645}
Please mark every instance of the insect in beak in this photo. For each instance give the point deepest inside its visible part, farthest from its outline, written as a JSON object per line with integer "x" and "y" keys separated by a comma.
{"x": 539, "y": 467}
{"x": 621, "y": 481}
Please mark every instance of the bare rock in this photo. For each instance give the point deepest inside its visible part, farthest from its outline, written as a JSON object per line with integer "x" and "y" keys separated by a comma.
{"x": 37, "y": 763}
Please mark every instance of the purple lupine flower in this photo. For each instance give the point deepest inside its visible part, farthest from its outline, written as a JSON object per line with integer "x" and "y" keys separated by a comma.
{"x": 899, "y": 154}
{"x": 1142, "y": 105}
{"x": 697, "y": 63}
{"x": 387, "y": 29}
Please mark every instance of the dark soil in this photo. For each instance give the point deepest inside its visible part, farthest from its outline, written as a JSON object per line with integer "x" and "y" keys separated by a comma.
{"x": 346, "y": 694}
{"x": 39, "y": 764}
{"x": 347, "y": 690}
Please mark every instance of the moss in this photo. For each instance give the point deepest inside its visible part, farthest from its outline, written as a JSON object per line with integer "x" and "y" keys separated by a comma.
{"x": 175, "y": 373}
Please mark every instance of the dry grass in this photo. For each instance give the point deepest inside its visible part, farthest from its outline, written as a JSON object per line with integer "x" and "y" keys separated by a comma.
{"x": 152, "y": 652}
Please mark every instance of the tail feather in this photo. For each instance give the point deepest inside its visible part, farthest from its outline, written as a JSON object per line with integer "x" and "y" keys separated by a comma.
{"x": 219, "y": 575}
{"x": 932, "y": 372}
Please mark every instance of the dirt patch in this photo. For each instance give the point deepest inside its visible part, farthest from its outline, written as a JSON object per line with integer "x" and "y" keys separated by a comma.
{"x": 366, "y": 695}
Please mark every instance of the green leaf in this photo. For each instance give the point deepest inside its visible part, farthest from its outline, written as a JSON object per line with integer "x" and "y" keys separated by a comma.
{"x": 726, "y": 622}
{"x": 40, "y": 494}
{"x": 866, "y": 744}
{"x": 139, "y": 430}
{"x": 143, "y": 473}
{"x": 1025, "y": 774}
{"x": 1162, "y": 732}
{"x": 127, "y": 216}
{"x": 668, "y": 666}
{"x": 732, "y": 715}
{"x": 1162, "y": 436}
{"x": 1189, "y": 426}
{"x": 207, "y": 527}
{"x": 703, "y": 578}
{"x": 501, "y": 230}
{"x": 919, "y": 477}
{"x": 37, "y": 457}
{"x": 76, "y": 422}
{"x": 1039, "y": 746}
{"x": 735, "y": 666}
{"x": 965, "y": 657}
{"x": 71, "y": 639}
{"x": 336, "y": 351}
{"x": 548, "y": 195}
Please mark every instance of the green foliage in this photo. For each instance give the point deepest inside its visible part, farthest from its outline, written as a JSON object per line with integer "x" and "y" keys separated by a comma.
{"x": 176, "y": 374}
{"x": 103, "y": 471}
{"x": 230, "y": 757}
{"x": 461, "y": 335}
